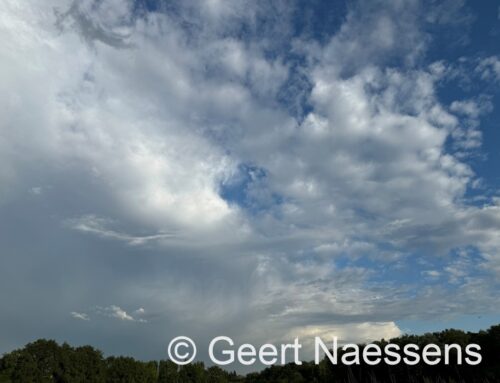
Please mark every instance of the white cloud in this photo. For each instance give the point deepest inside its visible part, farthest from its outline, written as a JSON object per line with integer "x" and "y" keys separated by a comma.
{"x": 140, "y": 311}
{"x": 431, "y": 273}
{"x": 36, "y": 190}
{"x": 117, "y": 312}
{"x": 99, "y": 226}
{"x": 350, "y": 333}
{"x": 81, "y": 316}
{"x": 489, "y": 68}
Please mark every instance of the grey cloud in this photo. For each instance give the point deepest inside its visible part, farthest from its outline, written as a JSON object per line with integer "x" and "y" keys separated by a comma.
{"x": 89, "y": 18}
{"x": 133, "y": 139}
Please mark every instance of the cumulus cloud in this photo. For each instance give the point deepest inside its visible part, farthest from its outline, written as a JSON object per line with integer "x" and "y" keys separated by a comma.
{"x": 354, "y": 333}
{"x": 182, "y": 178}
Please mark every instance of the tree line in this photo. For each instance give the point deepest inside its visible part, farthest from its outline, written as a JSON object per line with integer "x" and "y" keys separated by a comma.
{"x": 45, "y": 361}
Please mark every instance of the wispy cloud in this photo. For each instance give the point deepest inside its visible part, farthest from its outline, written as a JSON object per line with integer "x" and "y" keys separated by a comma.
{"x": 99, "y": 226}
{"x": 81, "y": 316}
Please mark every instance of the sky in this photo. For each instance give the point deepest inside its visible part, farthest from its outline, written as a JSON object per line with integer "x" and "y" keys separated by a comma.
{"x": 263, "y": 170}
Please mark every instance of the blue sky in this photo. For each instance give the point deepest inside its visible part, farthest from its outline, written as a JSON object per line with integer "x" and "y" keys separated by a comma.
{"x": 262, "y": 170}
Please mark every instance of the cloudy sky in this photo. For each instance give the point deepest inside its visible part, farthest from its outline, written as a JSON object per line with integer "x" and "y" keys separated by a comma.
{"x": 256, "y": 169}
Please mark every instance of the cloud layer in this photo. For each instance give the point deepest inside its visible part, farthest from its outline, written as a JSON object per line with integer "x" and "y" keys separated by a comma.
{"x": 209, "y": 163}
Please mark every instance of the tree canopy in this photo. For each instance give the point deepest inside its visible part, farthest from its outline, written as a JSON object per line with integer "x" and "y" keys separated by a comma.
{"x": 45, "y": 361}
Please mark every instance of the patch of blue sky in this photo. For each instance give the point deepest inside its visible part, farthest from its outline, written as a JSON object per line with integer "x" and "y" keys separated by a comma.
{"x": 485, "y": 159}
{"x": 415, "y": 270}
{"x": 237, "y": 190}
{"x": 474, "y": 31}
{"x": 469, "y": 322}
{"x": 480, "y": 23}
{"x": 293, "y": 95}
{"x": 319, "y": 20}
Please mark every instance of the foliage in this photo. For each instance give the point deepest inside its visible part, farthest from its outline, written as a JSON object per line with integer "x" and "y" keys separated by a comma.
{"x": 46, "y": 361}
